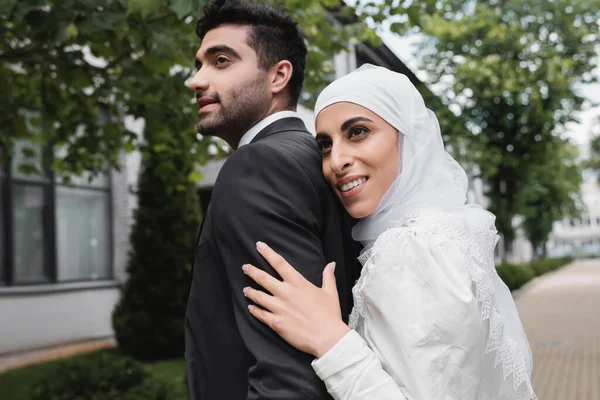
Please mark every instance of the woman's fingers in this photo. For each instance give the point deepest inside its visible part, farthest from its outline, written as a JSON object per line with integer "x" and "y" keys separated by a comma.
{"x": 279, "y": 264}
{"x": 262, "y": 278}
{"x": 329, "y": 278}
{"x": 263, "y": 316}
{"x": 261, "y": 298}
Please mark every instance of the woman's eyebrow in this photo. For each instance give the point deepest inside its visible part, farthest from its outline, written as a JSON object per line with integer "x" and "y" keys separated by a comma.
{"x": 348, "y": 123}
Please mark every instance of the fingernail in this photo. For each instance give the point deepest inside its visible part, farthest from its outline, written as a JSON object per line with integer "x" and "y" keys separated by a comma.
{"x": 245, "y": 291}
{"x": 260, "y": 245}
{"x": 250, "y": 307}
{"x": 332, "y": 264}
{"x": 245, "y": 268}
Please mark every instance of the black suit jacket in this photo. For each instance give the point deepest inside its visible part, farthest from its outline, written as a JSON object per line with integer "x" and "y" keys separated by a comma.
{"x": 271, "y": 190}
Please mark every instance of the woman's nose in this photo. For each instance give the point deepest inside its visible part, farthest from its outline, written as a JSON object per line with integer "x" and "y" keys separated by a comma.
{"x": 341, "y": 159}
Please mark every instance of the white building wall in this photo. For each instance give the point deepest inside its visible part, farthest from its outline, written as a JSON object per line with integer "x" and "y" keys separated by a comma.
{"x": 39, "y": 319}
{"x": 580, "y": 237}
{"x": 45, "y": 315}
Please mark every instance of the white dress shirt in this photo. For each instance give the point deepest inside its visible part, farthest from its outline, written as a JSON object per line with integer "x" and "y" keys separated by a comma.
{"x": 262, "y": 124}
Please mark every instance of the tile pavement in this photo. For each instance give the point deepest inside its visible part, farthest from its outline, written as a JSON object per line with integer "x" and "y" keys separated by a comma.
{"x": 561, "y": 315}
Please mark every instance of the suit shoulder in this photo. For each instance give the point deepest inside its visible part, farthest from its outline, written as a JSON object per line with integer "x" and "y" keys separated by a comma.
{"x": 300, "y": 147}
{"x": 300, "y": 143}
{"x": 296, "y": 150}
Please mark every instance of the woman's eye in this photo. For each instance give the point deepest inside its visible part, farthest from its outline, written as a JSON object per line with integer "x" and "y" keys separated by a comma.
{"x": 324, "y": 146}
{"x": 357, "y": 131}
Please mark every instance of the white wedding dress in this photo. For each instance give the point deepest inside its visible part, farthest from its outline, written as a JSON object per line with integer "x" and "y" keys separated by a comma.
{"x": 432, "y": 320}
{"x": 426, "y": 322}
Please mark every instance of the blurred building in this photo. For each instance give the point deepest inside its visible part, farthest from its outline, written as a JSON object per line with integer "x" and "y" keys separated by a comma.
{"x": 62, "y": 253}
{"x": 580, "y": 237}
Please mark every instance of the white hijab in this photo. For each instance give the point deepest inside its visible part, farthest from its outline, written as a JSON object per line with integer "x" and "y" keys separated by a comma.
{"x": 429, "y": 179}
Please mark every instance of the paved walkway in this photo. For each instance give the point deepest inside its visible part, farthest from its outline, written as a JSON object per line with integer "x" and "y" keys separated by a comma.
{"x": 53, "y": 353}
{"x": 561, "y": 314}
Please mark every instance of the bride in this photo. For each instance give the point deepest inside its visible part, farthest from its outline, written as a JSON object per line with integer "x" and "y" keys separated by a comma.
{"x": 431, "y": 318}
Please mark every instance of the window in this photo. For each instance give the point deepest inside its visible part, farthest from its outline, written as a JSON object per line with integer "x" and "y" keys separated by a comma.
{"x": 83, "y": 233}
{"x": 29, "y": 233}
{"x": 30, "y": 225}
{"x": 585, "y": 221}
{"x": 2, "y": 227}
{"x": 50, "y": 230}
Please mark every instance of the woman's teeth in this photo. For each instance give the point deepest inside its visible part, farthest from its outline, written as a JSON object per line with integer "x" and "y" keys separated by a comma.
{"x": 350, "y": 185}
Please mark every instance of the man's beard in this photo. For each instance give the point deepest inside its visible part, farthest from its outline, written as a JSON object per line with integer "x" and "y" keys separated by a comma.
{"x": 247, "y": 105}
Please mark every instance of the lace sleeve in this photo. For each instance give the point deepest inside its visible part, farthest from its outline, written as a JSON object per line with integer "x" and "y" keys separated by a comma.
{"x": 416, "y": 276}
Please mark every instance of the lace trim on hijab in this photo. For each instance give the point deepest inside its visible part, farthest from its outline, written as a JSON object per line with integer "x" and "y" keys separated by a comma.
{"x": 480, "y": 245}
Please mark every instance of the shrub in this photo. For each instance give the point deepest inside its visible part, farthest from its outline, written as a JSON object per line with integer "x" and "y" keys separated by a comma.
{"x": 543, "y": 266}
{"x": 149, "y": 319}
{"x": 515, "y": 275}
{"x": 99, "y": 376}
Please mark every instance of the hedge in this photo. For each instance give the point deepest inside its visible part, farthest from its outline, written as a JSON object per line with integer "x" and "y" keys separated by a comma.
{"x": 517, "y": 275}
{"x": 100, "y": 376}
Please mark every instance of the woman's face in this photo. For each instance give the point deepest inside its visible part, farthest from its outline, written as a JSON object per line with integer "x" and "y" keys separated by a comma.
{"x": 360, "y": 155}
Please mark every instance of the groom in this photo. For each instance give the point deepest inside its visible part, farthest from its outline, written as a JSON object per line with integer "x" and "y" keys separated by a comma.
{"x": 250, "y": 75}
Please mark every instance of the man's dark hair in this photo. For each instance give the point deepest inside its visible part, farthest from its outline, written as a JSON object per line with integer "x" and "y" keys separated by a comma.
{"x": 273, "y": 35}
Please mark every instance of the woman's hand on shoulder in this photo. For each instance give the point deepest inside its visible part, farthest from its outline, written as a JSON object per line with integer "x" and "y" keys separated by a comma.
{"x": 304, "y": 315}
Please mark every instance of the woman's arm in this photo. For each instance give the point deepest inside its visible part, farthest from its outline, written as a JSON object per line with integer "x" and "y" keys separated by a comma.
{"x": 425, "y": 338}
{"x": 422, "y": 319}
{"x": 309, "y": 318}
{"x": 351, "y": 371}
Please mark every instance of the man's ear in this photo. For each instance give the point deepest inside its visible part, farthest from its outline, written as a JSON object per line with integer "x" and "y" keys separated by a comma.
{"x": 280, "y": 75}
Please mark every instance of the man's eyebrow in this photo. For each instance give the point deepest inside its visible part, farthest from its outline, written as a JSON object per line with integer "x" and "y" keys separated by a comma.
{"x": 221, "y": 48}
{"x": 322, "y": 136}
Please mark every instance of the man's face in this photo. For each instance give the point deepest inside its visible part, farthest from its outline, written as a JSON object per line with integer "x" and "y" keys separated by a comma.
{"x": 231, "y": 90}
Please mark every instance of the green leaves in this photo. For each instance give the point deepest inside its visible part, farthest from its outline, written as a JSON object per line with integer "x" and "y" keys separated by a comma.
{"x": 83, "y": 65}
{"x": 594, "y": 158}
{"x": 71, "y": 31}
{"x": 144, "y": 7}
{"x": 183, "y": 8}
{"x": 28, "y": 169}
{"x": 512, "y": 67}
{"x": 86, "y": 64}
{"x": 552, "y": 194}
{"x": 103, "y": 20}
{"x": 6, "y": 7}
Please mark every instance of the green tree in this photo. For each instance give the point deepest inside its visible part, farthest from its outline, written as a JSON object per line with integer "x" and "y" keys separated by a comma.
{"x": 76, "y": 65}
{"x": 148, "y": 320}
{"x": 511, "y": 67}
{"x": 593, "y": 161}
{"x": 552, "y": 194}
